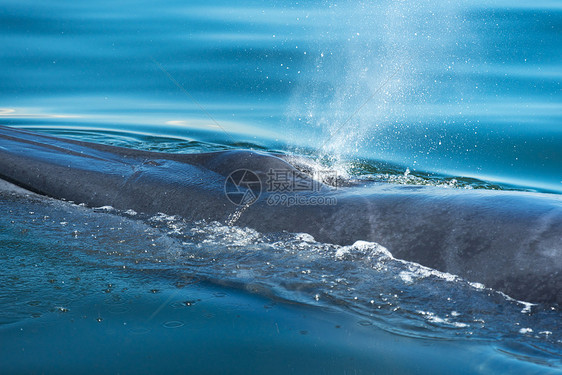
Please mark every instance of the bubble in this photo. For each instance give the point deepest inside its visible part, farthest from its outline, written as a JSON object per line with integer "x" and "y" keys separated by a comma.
{"x": 173, "y": 324}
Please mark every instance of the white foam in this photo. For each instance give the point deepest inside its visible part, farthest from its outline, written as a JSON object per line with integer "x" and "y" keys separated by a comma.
{"x": 365, "y": 247}
{"x": 417, "y": 271}
{"x": 104, "y": 208}
{"x": 163, "y": 217}
{"x": 478, "y": 286}
{"x": 342, "y": 251}
{"x": 527, "y": 308}
{"x": 216, "y": 233}
{"x": 407, "y": 277}
{"x": 460, "y": 325}
{"x": 433, "y": 318}
{"x": 305, "y": 237}
{"x": 527, "y": 305}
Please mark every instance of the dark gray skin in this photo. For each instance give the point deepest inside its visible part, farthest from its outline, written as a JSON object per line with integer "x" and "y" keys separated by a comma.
{"x": 509, "y": 241}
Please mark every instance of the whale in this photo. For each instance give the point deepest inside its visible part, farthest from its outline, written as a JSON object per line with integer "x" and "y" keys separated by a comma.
{"x": 509, "y": 241}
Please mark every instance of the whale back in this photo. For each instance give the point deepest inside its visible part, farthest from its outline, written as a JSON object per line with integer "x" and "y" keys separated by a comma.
{"x": 510, "y": 241}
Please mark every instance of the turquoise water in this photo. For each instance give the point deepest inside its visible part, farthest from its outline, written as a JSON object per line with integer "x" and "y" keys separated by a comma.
{"x": 448, "y": 93}
{"x": 449, "y": 87}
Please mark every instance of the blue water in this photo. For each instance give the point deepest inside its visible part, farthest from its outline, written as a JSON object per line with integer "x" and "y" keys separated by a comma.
{"x": 451, "y": 93}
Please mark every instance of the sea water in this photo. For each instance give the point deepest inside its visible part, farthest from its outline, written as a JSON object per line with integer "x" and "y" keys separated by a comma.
{"x": 455, "y": 94}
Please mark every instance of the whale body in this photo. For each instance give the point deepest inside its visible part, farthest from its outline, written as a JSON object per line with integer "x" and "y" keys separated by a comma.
{"x": 508, "y": 241}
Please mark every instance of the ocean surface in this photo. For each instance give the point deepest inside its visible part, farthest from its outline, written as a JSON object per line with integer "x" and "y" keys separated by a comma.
{"x": 456, "y": 94}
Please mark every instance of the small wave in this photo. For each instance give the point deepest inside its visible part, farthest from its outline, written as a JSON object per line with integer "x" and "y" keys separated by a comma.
{"x": 363, "y": 278}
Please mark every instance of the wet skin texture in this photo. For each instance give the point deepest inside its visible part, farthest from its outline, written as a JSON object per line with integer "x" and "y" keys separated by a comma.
{"x": 509, "y": 241}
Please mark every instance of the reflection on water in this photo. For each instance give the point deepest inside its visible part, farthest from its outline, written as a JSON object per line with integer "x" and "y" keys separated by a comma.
{"x": 455, "y": 88}
{"x": 20, "y": 113}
